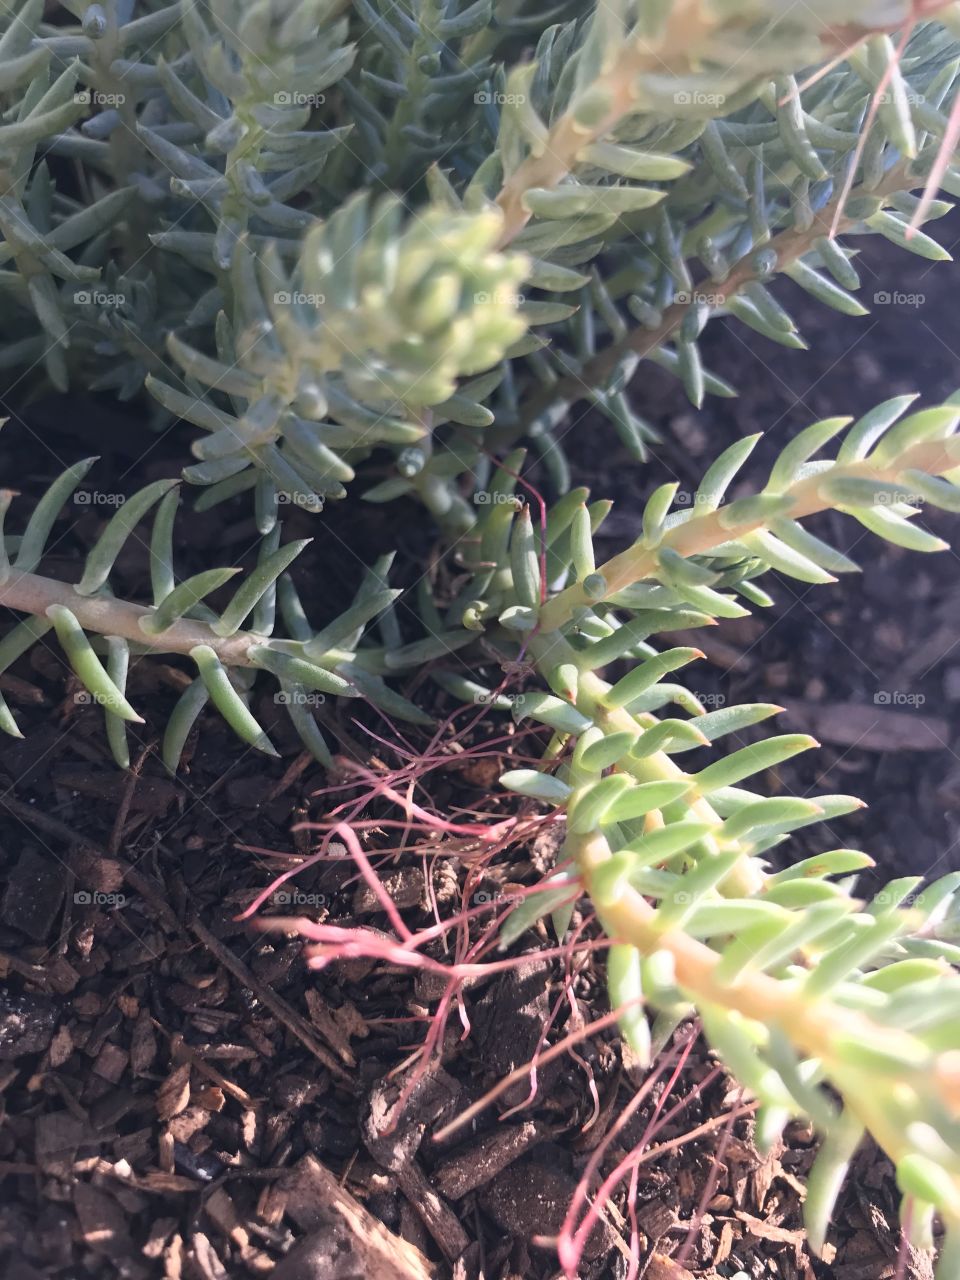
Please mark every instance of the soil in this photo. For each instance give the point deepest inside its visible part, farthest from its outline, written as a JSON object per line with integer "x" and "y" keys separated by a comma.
{"x": 182, "y": 1097}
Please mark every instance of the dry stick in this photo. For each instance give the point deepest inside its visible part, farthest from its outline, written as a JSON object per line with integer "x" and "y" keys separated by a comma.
{"x": 276, "y": 1004}
{"x": 789, "y": 246}
{"x": 126, "y": 800}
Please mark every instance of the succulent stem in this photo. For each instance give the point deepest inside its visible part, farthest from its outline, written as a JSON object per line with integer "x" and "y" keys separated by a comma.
{"x": 789, "y": 246}
{"x": 700, "y": 534}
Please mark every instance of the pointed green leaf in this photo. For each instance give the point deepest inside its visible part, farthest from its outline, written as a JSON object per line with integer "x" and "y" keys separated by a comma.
{"x": 642, "y": 166}
{"x": 625, "y": 985}
{"x": 648, "y": 673}
{"x": 756, "y": 758}
{"x": 572, "y": 200}
{"x": 38, "y": 528}
{"x": 591, "y": 802}
{"x": 296, "y": 671}
{"x": 108, "y": 546}
{"x": 256, "y": 585}
{"x": 88, "y": 667}
{"x": 536, "y": 785}
{"x": 183, "y": 598}
{"x": 228, "y": 701}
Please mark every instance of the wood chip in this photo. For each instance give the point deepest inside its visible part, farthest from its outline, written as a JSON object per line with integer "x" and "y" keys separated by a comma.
{"x": 763, "y": 1176}
{"x": 143, "y": 1045}
{"x": 223, "y": 1213}
{"x": 325, "y": 1019}
{"x": 475, "y": 1166}
{"x": 103, "y": 1223}
{"x": 656, "y": 1219}
{"x": 205, "y": 1258}
{"x": 33, "y": 895}
{"x": 186, "y": 1123}
{"x": 159, "y": 1233}
{"x": 174, "y": 1094}
{"x": 173, "y": 1259}
{"x": 61, "y": 1047}
{"x": 767, "y": 1231}
{"x": 664, "y": 1268}
{"x": 111, "y": 1063}
{"x": 405, "y": 887}
{"x": 165, "y": 1153}
{"x": 56, "y": 1139}
{"x": 725, "y": 1244}
{"x": 316, "y": 1202}
{"x": 437, "y": 1216}
{"x": 27, "y": 1024}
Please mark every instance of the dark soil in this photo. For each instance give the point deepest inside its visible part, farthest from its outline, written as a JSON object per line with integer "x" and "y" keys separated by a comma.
{"x": 182, "y": 1097}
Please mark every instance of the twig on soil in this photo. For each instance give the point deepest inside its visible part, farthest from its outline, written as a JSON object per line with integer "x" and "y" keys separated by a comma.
{"x": 123, "y": 809}
{"x": 292, "y": 1020}
{"x": 294, "y": 769}
{"x": 438, "y": 1217}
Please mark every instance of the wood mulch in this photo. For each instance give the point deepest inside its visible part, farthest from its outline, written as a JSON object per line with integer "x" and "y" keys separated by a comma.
{"x": 182, "y": 1097}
